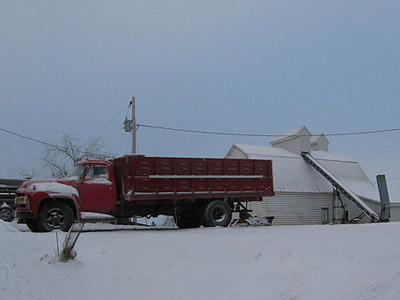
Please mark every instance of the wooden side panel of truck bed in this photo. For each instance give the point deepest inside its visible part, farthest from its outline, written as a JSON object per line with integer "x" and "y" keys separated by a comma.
{"x": 141, "y": 177}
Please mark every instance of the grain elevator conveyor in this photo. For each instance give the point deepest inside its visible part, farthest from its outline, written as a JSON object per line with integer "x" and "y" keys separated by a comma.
{"x": 341, "y": 187}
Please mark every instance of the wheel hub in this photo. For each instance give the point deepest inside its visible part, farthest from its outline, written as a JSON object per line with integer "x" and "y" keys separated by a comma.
{"x": 55, "y": 218}
{"x": 5, "y": 214}
{"x": 219, "y": 215}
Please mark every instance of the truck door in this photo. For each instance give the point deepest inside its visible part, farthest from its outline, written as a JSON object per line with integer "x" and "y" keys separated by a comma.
{"x": 95, "y": 190}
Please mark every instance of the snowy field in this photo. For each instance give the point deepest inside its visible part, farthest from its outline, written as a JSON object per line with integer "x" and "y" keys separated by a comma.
{"x": 277, "y": 262}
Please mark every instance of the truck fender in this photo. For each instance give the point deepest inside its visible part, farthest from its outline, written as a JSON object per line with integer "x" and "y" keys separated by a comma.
{"x": 70, "y": 200}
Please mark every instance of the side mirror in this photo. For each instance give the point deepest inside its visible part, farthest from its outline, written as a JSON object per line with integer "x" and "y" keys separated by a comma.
{"x": 82, "y": 178}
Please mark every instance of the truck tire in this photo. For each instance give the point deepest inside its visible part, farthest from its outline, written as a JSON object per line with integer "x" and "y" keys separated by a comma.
{"x": 32, "y": 225}
{"x": 55, "y": 215}
{"x": 185, "y": 221}
{"x": 6, "y": 214}
{"x": 217, "y": 213}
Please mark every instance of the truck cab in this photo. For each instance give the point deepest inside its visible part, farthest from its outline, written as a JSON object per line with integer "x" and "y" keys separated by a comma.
{"x": 95, "y": 185}
{"x": 46, "y": 205}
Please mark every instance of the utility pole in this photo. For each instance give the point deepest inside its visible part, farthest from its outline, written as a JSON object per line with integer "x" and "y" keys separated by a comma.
{"x": 130, "y": 125}
{"x": 133, "y": 126}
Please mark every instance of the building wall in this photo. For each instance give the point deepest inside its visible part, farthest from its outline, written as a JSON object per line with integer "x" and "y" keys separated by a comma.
{"x": 236, "y": 154}
{"x": 297, "y": 144}
{"x": 294, "y": 208}
{"x": 297, "y": 140}
{"x": 395, "y": 213}
{"x": 320, "y": 145}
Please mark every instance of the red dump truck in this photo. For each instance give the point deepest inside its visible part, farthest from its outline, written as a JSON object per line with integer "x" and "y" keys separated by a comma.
{"x": 196, "y": 191}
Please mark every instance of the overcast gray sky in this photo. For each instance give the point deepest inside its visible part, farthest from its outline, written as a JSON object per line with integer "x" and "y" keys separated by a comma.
{"x": 236, "y": 66}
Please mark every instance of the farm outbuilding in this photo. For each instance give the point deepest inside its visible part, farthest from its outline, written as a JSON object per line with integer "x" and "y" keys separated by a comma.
{"x": 302, "y": 194}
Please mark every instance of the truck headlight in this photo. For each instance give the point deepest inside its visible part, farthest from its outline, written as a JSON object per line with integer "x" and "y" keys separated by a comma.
{"x": 21, "y": 200}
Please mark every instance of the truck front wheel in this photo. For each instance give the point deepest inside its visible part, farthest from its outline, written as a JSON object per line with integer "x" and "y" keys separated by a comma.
{"x": 31, "y": 223}
{"x": 217, "y": 213}
{"x": 55, "y": 215}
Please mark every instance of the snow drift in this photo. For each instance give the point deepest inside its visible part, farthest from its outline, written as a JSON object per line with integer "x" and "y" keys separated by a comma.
{"x": 281, "y": 262}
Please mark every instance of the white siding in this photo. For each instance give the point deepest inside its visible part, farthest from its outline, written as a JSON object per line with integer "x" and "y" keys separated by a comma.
{"x": 294, "y": 208}
{"x": 395, "y": 213}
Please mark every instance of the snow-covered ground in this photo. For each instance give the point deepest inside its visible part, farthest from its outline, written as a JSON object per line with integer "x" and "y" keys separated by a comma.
{"x": 276, "y": 262}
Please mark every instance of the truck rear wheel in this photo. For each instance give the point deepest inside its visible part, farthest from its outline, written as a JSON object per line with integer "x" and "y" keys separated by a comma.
{"x": 55, "y": 215}
{"x": 217, "y": 213}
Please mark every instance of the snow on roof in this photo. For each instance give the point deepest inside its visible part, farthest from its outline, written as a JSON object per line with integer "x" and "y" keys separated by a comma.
{"x": 262, "y": 151}
{"x": 293, "y": 174}
{"x": 333, "y": 156}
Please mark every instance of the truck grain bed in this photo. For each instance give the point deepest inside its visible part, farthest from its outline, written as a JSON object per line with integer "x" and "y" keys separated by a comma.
{"x": 141, "y": 178}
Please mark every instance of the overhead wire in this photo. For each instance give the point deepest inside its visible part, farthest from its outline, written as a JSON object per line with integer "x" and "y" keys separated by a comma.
{"x": 108, "y": 123}
{"x": 47, "y": 143}
{"x": 210, "y": 133}
{"x": 264, "y": 135}
{"x": 395, "y": 178}
{"x": 201, "y": 132}
{"x": 29, "y": 138}
{"x": 112, "y": 134}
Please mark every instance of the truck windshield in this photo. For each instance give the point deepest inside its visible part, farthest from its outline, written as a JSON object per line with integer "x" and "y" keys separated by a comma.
{"x": 77, "y": 171}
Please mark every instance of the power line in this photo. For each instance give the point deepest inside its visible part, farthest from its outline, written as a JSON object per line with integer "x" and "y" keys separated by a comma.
{"x": 201, "y": 132}
{"x": 387, "y": 180}
{"x": 363, "y": 132}
{"x": 264, "y": 135}
{"x": 47, "y": 143}
{"x": 30, "y": 139}
{"x": 393, "y": 179}
{"x": 108, "y": 123}
{"x": 112, "y": 135}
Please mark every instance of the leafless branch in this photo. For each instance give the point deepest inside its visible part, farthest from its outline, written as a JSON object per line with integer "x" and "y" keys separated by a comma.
{"x": 33, "y": 173}
{"x": 60, "y": 158}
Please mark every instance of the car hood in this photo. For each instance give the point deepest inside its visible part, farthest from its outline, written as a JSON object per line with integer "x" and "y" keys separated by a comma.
{"x": 52, "y": 187}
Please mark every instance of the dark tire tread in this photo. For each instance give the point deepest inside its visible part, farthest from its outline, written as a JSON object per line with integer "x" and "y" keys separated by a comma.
{"x": 62, "y": 207}
{"x": 214, "y": 208}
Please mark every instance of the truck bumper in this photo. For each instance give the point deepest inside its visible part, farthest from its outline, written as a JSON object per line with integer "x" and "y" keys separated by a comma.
{"x": 25, "y": 214}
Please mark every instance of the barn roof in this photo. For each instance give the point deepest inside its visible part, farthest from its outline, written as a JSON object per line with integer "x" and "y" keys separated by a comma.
{"x": 293, "y": 174}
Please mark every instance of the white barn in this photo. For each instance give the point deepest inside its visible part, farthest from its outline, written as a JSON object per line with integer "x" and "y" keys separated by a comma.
{"x": 302, "y": 194}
